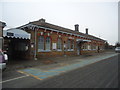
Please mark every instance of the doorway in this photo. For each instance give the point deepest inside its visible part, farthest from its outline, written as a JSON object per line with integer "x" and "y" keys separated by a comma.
{"x": 17, "y": 49}
{"x": 78, "y": 48}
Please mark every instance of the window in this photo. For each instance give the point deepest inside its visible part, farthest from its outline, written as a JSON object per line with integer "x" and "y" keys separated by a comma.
{"x": 69, "y": 44}
{"x": 72, "y": 44}
{"x": 101, "y": 48}
{"x": 89, "y": 47}
{"x": 85, "y": 46}
{"x": 48, "y": 42}
{"x": 40, "y": 43}
{"x": 44, "y": 44}
{"x": 94, "y": 47}
{"x": 59, "y": 44}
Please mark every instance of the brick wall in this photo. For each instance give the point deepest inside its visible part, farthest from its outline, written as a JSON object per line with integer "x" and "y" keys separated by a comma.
{"x": 54, "y": 37}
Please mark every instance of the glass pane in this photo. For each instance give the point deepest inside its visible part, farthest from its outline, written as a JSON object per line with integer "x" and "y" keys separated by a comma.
{"x": 48, "y": 43}
{"x": 59, "y": 43}
{"x": 72, "y": 44}
{"x": 69, "y": 42}
{"x": 41, "y": 43}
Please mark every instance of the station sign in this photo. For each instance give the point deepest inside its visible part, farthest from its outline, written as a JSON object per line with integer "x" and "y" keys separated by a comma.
{"x": 10, "y": 34}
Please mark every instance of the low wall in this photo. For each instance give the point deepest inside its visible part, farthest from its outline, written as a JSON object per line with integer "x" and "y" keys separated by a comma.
{"x": 61, "y": 53}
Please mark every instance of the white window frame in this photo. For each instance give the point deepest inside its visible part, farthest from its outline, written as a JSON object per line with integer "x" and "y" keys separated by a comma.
{"x": 39, "y": 49}
{"x": 59, "y": 43}
{"x": 48, "y": 44}
{"x": 69, "y": 45}
{"x": 89, "y": 47}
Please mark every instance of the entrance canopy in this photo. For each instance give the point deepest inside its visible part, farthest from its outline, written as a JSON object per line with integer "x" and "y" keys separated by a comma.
{"x": 16, "y": 33}
{"x": 83, "y": 40}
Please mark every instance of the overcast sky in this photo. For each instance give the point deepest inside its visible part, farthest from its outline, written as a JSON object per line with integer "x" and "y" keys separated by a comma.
{"x": 101, "y": 17}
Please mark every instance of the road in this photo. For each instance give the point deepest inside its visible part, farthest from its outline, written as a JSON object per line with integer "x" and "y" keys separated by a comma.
{"x": 102, "y": 74}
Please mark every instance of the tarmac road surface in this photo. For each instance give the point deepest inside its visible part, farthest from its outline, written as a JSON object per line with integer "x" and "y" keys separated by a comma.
{"x": 102, "y": 74}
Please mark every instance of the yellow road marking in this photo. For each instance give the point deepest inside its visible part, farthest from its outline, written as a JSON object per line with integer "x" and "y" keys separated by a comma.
{"x": 36, "y": 77}
{"x": 22, "y": 72}
{"x": 30, "y": 75}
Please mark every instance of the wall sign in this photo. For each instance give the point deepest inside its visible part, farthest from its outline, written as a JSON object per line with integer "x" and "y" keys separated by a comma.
{"x": 10, "y": 34}
{"x": 65, "y": 45}
{"x": 41, "y": 33}
{"x": 48, "y": 34}
{"x": 32, "y": 45}
{"x": 54, "y": 46}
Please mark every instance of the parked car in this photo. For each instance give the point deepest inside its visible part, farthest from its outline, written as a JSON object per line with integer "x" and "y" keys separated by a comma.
{"x": 3, "y": 60}
{"x": 117, "y": 49}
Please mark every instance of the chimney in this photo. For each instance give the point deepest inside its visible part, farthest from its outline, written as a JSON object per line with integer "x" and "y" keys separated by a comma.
{"x": 86, "y": 30}
{"x": 77, "y": 27}
{"x": 42, "y": 20}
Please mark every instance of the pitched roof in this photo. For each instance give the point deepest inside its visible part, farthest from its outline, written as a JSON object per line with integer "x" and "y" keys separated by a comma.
{"x": 48, "y": 25}
{"x": 42, "y": 23}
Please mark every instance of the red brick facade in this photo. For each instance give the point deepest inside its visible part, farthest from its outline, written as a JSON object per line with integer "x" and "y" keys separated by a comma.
{"x": 72, "y": 43}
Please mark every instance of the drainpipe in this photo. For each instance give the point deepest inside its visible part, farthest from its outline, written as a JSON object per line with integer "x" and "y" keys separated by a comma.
{"x": 35, "y": 58}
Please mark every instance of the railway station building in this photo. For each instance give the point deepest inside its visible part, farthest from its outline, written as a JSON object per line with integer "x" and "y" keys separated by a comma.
{"x": 42, "y": 39}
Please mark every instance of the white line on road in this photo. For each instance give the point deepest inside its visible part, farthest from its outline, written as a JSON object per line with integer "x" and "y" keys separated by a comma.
{"x": 116, "y": 76}
{"x": 14, "y": 79}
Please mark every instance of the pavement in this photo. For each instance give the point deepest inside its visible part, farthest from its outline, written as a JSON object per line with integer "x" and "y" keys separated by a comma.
{"x": 103, "y": 74}
{"x": 54, "y": 62}
{"x": 94, "y": 71}
{"x": 44, "y": 72}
